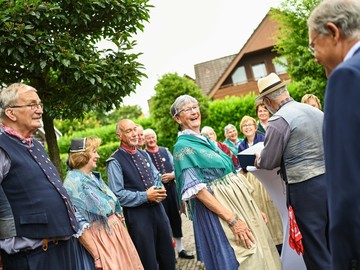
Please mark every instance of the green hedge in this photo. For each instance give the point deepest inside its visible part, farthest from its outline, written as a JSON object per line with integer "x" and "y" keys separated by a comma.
{"x": 229, "y": 111}
{"x": 106, "y": 133}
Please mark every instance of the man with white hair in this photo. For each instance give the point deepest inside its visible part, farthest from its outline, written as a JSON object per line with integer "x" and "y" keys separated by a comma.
{"x": 334, "y": 40}
{"x": 37, "y": 219}
{"x": 293, "y": 141}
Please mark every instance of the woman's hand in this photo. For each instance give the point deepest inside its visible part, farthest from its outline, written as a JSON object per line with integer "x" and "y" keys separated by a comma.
{"x": 239, "y": 228}
{"x": 242, "y": 233}
{"x": 167, "y": 177}
{"x": 264, "y": 217}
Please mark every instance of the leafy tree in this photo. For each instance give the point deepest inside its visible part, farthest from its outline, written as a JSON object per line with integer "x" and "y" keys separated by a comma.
{"x": 52, "y": 45}
{"x": 168, "y": 88}
{"x": 127, "y": 111}
{"x": 68, "y": 127}
{"x": 292, "y": 43}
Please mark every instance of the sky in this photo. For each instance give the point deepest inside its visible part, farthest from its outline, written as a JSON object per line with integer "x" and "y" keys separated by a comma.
{"x": 183, "y": 33}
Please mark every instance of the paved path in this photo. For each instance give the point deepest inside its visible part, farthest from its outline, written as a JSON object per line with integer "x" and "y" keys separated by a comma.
{"x": 189, "y": 244}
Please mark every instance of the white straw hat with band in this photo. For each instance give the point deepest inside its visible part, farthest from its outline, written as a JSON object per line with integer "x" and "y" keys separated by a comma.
{"x": 269, "y": 84}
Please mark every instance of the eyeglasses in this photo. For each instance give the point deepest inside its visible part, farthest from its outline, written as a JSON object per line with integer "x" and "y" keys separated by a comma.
{"x": 311, "y": 46}
{"x": 32, "y": 107}
{"x": 190, "y": 110}
{"x": 248, "y": 125}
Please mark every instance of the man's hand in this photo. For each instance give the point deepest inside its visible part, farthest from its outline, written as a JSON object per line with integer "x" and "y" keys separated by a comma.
{"x": 167, "y": 177}
{"x": 257, "y": 156}
{"x": 156, "y": 195}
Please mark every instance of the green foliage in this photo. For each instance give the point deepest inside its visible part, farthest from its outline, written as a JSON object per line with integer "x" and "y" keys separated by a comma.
{"x": 292, "y": 43}
{"x": 106, "y": 133}
{"x": 53, "y": 46}
{"x": 68, "y": 127}
{"x": 127, "y": 111}
{"x": 146, "y": 123}
{"x": 229, "y": 111}
{"x": 298, "y": 89}
{"x": 168, "y": 88}
{"x": 93, "y": 119}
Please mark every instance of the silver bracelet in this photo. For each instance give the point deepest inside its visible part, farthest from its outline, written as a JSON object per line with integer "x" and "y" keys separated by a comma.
{"x": 233, "y": 221}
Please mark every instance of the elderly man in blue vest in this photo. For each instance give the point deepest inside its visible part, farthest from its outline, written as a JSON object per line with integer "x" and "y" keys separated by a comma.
{"x": 36, "y": 215}
{"x": 294, "y": 142}
{"x": 132, "y": 177}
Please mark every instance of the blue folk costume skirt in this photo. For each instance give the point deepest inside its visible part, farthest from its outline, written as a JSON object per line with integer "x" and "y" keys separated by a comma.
{"x": 215, "y": 242}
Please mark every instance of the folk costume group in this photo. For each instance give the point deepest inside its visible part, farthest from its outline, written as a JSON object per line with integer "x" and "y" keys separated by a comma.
{"x": 45, "y": 224}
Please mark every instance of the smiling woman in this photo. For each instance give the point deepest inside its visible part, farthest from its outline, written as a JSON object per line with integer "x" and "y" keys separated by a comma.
{"x": 106, "y": 243}
{"x": 219, "y": 204}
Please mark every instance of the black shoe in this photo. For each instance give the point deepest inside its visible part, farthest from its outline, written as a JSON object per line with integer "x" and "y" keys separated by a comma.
{"x": 186, "y": 255}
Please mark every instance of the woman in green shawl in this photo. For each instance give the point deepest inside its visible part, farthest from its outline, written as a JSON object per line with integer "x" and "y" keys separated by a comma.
{"x": 229, "y": 228}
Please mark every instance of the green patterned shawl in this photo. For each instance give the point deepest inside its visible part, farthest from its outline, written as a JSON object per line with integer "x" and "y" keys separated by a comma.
{"x": 191, "y": 152}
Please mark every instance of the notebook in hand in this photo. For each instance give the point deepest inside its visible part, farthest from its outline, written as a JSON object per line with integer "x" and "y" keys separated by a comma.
{"x": 246, "y": 159}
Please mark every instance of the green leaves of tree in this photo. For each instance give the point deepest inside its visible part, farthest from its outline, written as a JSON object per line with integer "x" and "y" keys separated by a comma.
{"x": 292, "y": 43}
{"x": 168, "y": 88}
{"x": 51, "y": 45}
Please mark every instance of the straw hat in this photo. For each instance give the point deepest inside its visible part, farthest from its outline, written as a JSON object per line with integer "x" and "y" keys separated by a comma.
{"x": 269, "y": 84}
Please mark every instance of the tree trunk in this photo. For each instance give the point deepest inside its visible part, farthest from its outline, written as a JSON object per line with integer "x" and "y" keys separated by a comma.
{"x": 51, "y": 141}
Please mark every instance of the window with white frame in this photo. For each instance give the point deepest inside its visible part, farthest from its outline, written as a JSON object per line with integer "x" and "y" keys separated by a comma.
{"x": 239, "y": 75}
{"x": 280, "y": 65}
{"x": 259, "y": 70}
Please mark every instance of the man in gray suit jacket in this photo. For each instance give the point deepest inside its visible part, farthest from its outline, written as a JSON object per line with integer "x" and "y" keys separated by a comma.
{"x": 334, "y": 34}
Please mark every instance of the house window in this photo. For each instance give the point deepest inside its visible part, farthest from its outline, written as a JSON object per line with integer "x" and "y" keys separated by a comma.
{"x": 280, "y": 65}
{"x": 239, "y": 76}
{"x": 259, "y": 71}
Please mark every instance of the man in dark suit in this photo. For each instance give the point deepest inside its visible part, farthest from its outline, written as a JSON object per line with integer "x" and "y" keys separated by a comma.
{"x": 334, "y": 34}
{"x": 36, "y": 215}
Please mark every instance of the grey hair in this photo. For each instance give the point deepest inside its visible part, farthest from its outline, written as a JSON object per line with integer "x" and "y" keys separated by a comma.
{"x": 228, "y": 127}
{"x": 343, "y": 13}
{"x": 206, "y": 129}
{"x": 11, "y": 94}
{"x": 180, "y": 102}
{"x": 277, "y": 93}
{"x": 149, "y": 131}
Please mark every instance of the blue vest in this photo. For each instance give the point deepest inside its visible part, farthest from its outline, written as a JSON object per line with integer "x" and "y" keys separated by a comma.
{"x": 136, "y": 169}
{"x": 38, "y": 201}
{"x": 161, "y": 161}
